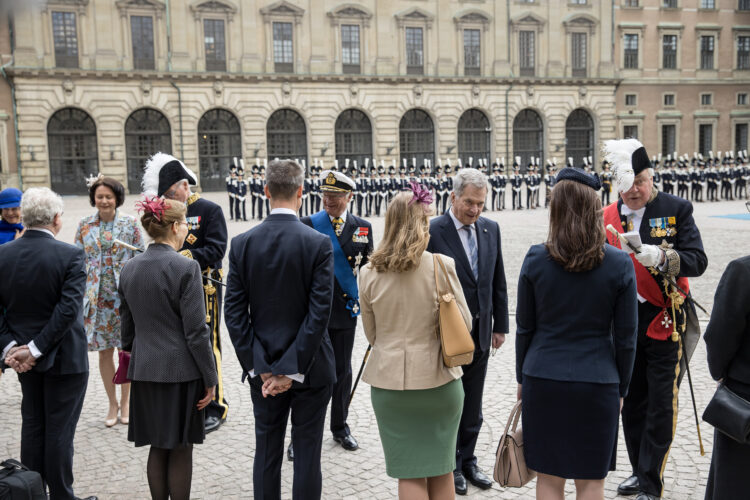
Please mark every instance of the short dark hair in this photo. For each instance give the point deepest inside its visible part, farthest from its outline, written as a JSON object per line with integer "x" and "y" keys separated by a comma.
{"x": 284, "y": 178}
{"x": 112, "y": 184}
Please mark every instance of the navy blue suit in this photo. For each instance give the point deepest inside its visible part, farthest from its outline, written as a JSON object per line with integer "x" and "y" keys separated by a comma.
{"x": 281, "y": 272}
{"x": 41, "y": 300}
{"x": 487, "y": 299}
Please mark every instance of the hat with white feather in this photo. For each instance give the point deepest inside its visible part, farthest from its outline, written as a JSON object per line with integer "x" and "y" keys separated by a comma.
{"x": 162, "y": 172}
{"x": 628, "y": 158}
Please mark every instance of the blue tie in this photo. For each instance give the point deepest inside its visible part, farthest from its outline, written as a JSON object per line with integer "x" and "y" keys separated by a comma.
{"x": 473, "y": 258}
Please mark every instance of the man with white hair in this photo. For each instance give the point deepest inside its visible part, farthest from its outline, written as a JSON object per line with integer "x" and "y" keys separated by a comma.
{"x": 671, "y": 245}
{"x": 474, "y": 243}
{"x": 43, "y": 339}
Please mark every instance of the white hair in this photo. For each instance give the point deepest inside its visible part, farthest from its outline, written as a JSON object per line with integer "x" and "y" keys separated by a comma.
{"x": 39, "y": 206}
{"x": 470, "y": 176}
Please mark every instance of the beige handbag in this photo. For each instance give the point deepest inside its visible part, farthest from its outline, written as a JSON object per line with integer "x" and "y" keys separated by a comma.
{"x": 455, "y": 339}
{"x": 510, "y": 464}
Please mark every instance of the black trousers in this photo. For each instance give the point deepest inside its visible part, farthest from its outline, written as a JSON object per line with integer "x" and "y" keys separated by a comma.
{"x": 471, "y": 417}
{"x": 50, "y": 409}
{"x": 231, "y": 207}
{"x": 218, "y": 407}
{"x": 343, "y": 343}
{"x": 308, "y": 411}
{"x": 649, "y": 412}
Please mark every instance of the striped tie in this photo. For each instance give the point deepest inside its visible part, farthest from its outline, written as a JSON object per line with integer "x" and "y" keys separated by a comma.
{"x": 473, "y": 258}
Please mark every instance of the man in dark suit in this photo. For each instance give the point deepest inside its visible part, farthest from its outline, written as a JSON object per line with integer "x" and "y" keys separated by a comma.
{"x": 278, "y": 302}
{"x": 353, "y": 236}
{"x": 42, "y": 337}
{"x": 474, "y": 243}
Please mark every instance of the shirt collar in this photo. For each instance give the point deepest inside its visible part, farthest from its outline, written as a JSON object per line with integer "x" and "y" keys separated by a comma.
{"x": 285, "y": 211}
{"x": 457, "y": 222}
{"x": 343, "y": 216}
{"x": 626, "y": 210}
{"x": 43, "y": 230}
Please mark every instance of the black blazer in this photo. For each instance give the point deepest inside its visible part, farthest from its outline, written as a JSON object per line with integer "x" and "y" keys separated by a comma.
{"x": 728, "y": 333}
{"x": 488, "y": 298}
{"x": 41, "y": 299}
{"x": 341, "y": 318}
{"x": 281, "y": 272}
{"x": 577, "y": 327}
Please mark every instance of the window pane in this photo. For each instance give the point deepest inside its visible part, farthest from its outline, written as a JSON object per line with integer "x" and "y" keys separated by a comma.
{"x": 671, "y": 4}
{"x": 579, "y": 54}
{"x": 743, "y": 52}
{"x": 350, "y": 47}
{"x": 414, "y": 51}
{"x": 708, "y": 4}
{"x": 215, "y": 45}
{"x": 669, "y": 52}
{"x": 65, "y": 39}
{"x": 740, "y": 137}
{"x": 146, "y": 133}
{"x": 669, "y": 99}
{"x": 707, "y": 52}
{"x": 219, "y": 140}
{"x": 472, "y": 52}
{"x": 474, "y": 135}
{"x": 744, "y": 5}
{"x": 631, "y": 51}
{"x": 630, "y": 132}
{"x": 704, "y": 138}
{"x": 353, "y": 137}
{"x": 417, "y": 137}
{"x": 528, "y": 133}
{"x": 142, "y": 33}
{"x": 527, "y": 52}
{"x": 579, "y": 136}
{"x": 71, "y": 134}
{"x": 286, "y": 135}
{"x": 283, "y": 54}
{"x": 668, "y": 135}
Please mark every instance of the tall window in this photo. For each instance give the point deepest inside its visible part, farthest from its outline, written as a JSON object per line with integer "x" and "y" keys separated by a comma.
{"x": 740, "y": 137}
{"x": 669, "y": 4}
{"x": 474, "y": 135}
{"x": 65, "y": 39}
{"x": 416, "y": 137}
{"x": 705, "y": 138}
{"x": 743, "y": 5}
{"x": 630, "y": 132}
{"x": 350, "y": 48}
{"x": 147, "y": 132}
{"x": 353, "y": 137}
{"x": 215, "y": 45}
{"x": 528, "y": 140}
{"x": 668, "y": 137}
{"x": 669, "y": 51}
{"x": 743, "y": 52}
{"x": 579, "y": 54}
{"x": 283, "y": 54}
{"x": 286, "y": 135}
{"x": 708, "y": 4}
{"x": 219, "y": 139}
{"x": 472, "y": 52}
{"x": 579, "y": 136}
{"x": 414, "y": 51}
{"x": 71, "y": 135}
{"x": 142, "y": 33}
{"x": 526, "y": 52}
{"x": 631, "y": 51}
{"x": 707, "y": 52}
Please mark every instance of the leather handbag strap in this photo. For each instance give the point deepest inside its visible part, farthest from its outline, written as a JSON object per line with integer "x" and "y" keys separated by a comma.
{"x": 515, "y": 414}
{"x": 436, "y": 258}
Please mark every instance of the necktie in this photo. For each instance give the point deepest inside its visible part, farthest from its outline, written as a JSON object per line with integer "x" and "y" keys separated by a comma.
{"x": 338, "y": 225}
{"x": 473, "y": 257}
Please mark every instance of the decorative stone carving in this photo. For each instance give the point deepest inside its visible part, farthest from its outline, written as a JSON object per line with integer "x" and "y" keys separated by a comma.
{"x": 68, "y": 86}
{"x": 145, "y": 88}
{"x": 218, "y": 87}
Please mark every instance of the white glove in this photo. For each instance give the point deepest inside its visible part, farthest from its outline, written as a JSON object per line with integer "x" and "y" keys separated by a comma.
{"x": 650, "y": 255}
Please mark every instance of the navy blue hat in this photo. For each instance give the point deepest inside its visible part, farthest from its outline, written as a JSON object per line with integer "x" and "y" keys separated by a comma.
{"x": 10, "y": 198}
{"x": 580, "y": 176}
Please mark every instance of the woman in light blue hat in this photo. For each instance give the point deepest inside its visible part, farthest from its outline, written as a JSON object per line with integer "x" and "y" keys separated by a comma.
{"x": 10, "y": 212}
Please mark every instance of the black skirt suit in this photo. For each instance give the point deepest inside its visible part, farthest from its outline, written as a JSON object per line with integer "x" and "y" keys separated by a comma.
{"x": 575, "y": 349}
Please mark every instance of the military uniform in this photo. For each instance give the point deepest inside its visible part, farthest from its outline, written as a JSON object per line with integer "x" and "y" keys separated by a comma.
{"x": 231, "y": 181}
{"x": 516, "y": 182}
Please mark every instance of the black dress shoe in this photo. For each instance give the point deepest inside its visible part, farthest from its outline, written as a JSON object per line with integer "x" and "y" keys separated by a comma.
{"x": 290, "y": 452}
{"x": 477, "y": 477}
{"x": 629, "y": 487}
{"x": 646, "y": 496}
{"x": 460, "y": 482}
{"x": 92, "y": 497}
{"x": 212, "y": 423}
{"x": 347, "y": 442}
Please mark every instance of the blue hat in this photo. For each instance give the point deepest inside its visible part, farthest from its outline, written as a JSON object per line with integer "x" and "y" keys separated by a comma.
{"x": 578, "y": 175}
{"x": 10, "y": 198}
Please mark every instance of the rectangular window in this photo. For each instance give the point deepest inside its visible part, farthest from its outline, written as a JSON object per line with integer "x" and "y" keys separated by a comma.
{"x": 414, "y": 51}
{"x": 631, "y": 99}
{"x": 669, "y": 52}
{"x": 705, "y": 132}
{"x": 631, "y": 3}
{"x": 472, "y": 52}
{"x": 283, "y": 53}
{"x": 743, "y": 5}
{"x": 213, "y": 36}
{"x": 65, "y": 39}
{"x": 707, "y": 52}
{"x": 579, "y": 54}
{"x": 742, "y": 99}
{"x": 743, "y": 52}
{"x": 740, "y": 137}
{"x": 350, "y": 48}
{"x": 708, "y": 4}
{"x": 668, "y": 135}
{"x": 142, "y": 34}
{"x": 578, "y": 2}
{"x": 669, "y": 99}
{"x": 706, "y": 99}
{"x": 631, "y": 51}
{"x": 669, "y": 4}
{"x": 630, "y": 132}
{"x": 526, "y": 52}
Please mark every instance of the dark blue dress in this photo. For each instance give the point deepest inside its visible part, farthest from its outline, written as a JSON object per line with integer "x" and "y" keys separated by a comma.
{"x": 8, "y": 231}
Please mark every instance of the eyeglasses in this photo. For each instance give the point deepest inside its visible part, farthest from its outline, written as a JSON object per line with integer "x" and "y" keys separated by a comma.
{"x": 181, "y": 222}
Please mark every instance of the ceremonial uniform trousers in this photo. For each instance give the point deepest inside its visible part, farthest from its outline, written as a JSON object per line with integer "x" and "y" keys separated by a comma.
{"x": 230, "y": 192}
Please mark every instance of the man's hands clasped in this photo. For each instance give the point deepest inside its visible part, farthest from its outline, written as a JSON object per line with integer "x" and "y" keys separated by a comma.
{"x": 273, "y": 385}
{"x": 20, "y": 359}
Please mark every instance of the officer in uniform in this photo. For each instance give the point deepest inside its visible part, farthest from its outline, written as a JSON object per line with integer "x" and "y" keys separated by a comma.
{"x": 240, "y": 212}
{"x": 606, "y": 177}
{"x": 516, "y": 181}
{"x": 352, "y": 245}
{"x": 671, "y": 243}
{"x": 231, "y": 181}
{"x": 549, "y": 182}
{"x": 206, "y": 242}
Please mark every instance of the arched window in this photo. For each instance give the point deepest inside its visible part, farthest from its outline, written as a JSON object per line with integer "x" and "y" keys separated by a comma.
{"x": 147, "y": 132}
{"x": 287, "y": 136}
{"x": 416, "y": 137}
{"x": 528, "y": 133}
{"x": 71, "y": 134}
{"x": 219, "y": 140}
{"x": 353, "y": 137}
{"x": 474, "y": 134}
{"x": 579, "y": 136}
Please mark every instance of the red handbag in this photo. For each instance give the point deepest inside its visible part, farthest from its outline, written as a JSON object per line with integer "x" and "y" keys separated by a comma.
{"x": 121, "y": 375}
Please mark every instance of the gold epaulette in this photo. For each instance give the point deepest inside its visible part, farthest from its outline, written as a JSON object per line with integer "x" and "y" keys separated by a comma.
{"x": 187, "y": 253}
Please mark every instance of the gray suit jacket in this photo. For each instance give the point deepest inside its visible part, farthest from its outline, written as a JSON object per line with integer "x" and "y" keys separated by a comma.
{"x": 163, "y": 318}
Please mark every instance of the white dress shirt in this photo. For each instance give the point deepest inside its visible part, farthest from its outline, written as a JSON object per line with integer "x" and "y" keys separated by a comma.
{"x": 463, "y": 234}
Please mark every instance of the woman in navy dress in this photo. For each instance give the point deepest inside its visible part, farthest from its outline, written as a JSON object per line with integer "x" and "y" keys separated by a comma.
{"x": 575, "y": 343}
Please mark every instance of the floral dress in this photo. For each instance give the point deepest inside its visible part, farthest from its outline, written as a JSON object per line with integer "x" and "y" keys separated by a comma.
{"x": 107, "y": 323}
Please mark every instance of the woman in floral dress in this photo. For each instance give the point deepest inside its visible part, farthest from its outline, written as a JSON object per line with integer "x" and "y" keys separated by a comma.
{"x": 96, "y": 234}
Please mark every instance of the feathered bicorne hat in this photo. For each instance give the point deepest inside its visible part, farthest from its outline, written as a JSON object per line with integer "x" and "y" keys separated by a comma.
{"x": 162, "y": 171}
{"x": 628, "y": 158}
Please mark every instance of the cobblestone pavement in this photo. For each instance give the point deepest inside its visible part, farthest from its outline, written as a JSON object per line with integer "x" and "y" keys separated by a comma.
{"x": 106, "y": 464}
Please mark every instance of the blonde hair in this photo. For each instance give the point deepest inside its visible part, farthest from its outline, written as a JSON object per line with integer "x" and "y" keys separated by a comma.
{"x": 407, "y": 232}
{"x": 174, "y": 211}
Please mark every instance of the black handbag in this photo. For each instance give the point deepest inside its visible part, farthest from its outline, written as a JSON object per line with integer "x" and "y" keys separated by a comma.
{"x": 730, "y": 414}
{"x": 17, "y": 482}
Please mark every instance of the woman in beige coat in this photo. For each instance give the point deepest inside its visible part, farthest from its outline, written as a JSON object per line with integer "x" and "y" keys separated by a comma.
{"x": 416, "y": 398}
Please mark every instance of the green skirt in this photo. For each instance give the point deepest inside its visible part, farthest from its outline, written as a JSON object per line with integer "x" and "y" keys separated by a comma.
{"x": 418, "y": 429}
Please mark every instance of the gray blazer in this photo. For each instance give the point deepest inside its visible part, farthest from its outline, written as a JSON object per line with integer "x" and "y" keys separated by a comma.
{"x": 163, "y": 317}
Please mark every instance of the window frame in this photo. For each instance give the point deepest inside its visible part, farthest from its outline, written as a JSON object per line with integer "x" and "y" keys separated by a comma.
{"x": 746, "y": 98}
{"x": 701, "y": 59}
{"x": 701, "y": 123}
{"x": 283, "y": 66}
{"x": 527, "y": 70}
{"x": 284, "y": 12}
{"x": 628, "y": 56}
{"x": 215, "y": 64}
{"x": 536, "y": 24}
{"x": 156, "y": 10}
{"x": 706, "y": 96}
{"x": 664, "y": 98}
{"x": 414, "y": 17}
{"x": 635, "y": 99}
{"x": 350, "y": 67}
{"x": 67, "y": 57}
{"x": 140, "y": 63}
{"x": 739, "y": 35}
{"x": 668, "y": 123}
{"x": 350, "y": 15}
{"x": 472, "y": 70}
